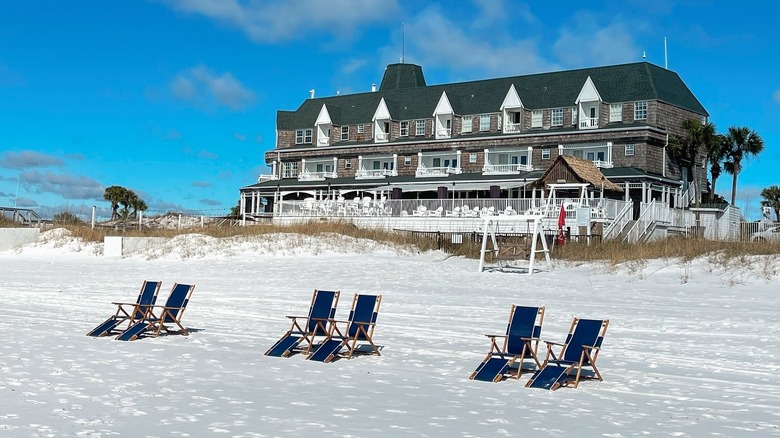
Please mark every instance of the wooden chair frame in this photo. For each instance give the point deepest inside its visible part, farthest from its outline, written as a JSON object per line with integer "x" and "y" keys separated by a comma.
{"x": 364, "y": 331}
{"x": 588, "y": 356}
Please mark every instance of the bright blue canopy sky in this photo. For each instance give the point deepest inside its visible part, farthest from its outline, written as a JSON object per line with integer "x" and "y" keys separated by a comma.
{"x": 177, "y": 99}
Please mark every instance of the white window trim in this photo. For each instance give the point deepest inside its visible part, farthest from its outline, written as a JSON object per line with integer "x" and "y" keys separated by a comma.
{"x": 472, "y": 157}
{"x": 419, "y": 125}
{"x": 307, "y": 136}
{"x": 616, "y": 112}
{"x": 407, "y": 160}
{"x": 552, "y": 117}
{"x": 484, "y": 127}
{"x": 361, "y": 128}
{"x": 644, "y": 110}
{"x": 348, "y": 162}
{"x": 537, "y": 116}
{"x": 344, "y": 131}
{"x": 299, "y": 136}
{"x": 403, "y": 126}
{"x": 467, "y": 124}
{"x": 629, "y": 150}
{"x": 546, "y": 154}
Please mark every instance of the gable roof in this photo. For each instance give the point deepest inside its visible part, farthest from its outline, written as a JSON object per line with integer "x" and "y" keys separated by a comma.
{"x": 616, "y": 83}
{"x": 577, "y": 169}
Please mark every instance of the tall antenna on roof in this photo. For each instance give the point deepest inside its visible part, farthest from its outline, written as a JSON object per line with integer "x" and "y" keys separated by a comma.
{"x": 666, "y": 56}
{"x": 403, "y": 41}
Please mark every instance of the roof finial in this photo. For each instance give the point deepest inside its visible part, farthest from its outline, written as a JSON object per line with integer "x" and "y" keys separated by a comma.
{"x": 644, "y": 54}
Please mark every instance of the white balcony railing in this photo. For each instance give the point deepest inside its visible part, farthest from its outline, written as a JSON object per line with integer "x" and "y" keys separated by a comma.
{"x": 263, "y": 178}
{"x": 324, "y": 141}
{"x": 603, "y": 164}
{"x": 374, "y": 173}
{"x": 443, "y": 133}
{"x": 381, "y": 136}
{"x": 307, "y": 175}
{"x": 512, "y": 127}
{"x": 423, "y": 171}
{"x": 589, "y": 122}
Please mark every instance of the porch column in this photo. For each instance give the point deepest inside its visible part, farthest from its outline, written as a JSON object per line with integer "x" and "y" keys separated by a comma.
{"x": 303, "y": 166}
{"x": 530, "y": 156}
{"x": 360, "y": 163}
{"x": 609, "y": 152}
{"x": 626, "y": 190}
{"x": 560, "y": 149}
{"x": 458, "y": 155}
{"x": 335, "y": 167}
{"x": 242, "y": 202}
{"x": 644, "y": 192}
{"x": 273, "y": 169}
{"x": 487, "y": 161}
{"x": 395, "y": 165}
{"x": 419, "y": 160}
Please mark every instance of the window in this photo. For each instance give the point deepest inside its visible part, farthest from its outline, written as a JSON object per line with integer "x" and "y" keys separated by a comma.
{"x": 404, "y": 129}
{"x": 419, "y": 127}
{"x": 536, "y": 118}
{"x": 360, "y": 129}
{"x": 473, "y": 157}
{"x": 616, "y": 112}
{"x": 545, "y": 154}
{"x": 407, "y": 160}
{"x": 376, "y": 165}
{"x": 556, "y": 117}
{"x": 467, "y": 124}
{"x": 348, "y": 161}
{"x": 629, "y": 150}
{"x": 640, "y": 110}
{"x": 574, "y": 116}
{"x": 436, "y": 162}
{"x": 484, "y": 122}
{"x": 290, "y": 170}
{"x": 344, "y": 133}
{"x": 299, "y": 136}
{"x": 307, "y": 136}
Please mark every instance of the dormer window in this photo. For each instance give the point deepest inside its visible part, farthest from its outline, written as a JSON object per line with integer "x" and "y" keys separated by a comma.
{"x": 303, "y": 136}
{"x": 419, "y": 127}
{"x": 344, "y": 133}
{"x": 484, "y": 122}
{"x": 556, "y": 117}
{"x": 467, "y": 124}
{"x": 536, "y": 118}
{"x": 616, "y": 112}
{"x": 640, "y": 110}
{"x": 404, "y": 129}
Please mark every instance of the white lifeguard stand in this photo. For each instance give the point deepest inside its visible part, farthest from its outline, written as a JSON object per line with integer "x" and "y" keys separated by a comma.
{"x": 531, "y": 222}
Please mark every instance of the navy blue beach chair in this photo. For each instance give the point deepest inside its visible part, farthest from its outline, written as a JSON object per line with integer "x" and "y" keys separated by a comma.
{"x": 316, "y": 323}
{"x": 163, "y": 318}
{"x": 508, "y": 352}
{"x": 580, "y": 350}
{"x": 358, "y": 331}
{"x": 129, "y": 313}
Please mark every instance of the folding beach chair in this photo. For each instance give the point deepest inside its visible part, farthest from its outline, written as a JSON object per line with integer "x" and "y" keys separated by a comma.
{"x": 519, "y": 343}
{"x": 358, "y": 328}
{"x": 129, "y": 312}
{"x": 321, "y": 311}
{"x": 159, "y": 318}
{"x": 581, "y": 349}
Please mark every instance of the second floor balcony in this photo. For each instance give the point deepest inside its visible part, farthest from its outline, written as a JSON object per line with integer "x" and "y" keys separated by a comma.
{"x": 501, "y": 162}
{"x": 438, "y": 164}
{"x": 376, "y": 166}
{"x": 317, "y": 170}
{"x": 589, "y": 122}
{"x": 510, "y": 128}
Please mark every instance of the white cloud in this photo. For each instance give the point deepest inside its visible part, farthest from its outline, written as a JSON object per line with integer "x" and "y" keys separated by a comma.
{"x": 435, "y": 40}
{"x": 269, "y": 21}
{"x": 776, "y": 96}
{"x": 583, "y": 43}
{"x": 65, "y": 185}
{"x": 28, "y": 159}
{"x": 202, "y": 87}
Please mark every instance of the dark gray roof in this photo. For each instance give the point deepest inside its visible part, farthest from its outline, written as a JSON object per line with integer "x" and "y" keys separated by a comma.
{"x": 616, "y": 83}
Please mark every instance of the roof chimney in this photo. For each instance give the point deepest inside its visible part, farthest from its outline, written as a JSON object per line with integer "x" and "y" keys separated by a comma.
{"x": 311, "y": 93}
{"x": 373, "y": 88}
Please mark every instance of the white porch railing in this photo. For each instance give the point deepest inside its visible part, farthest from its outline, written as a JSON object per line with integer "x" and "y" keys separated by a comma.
{"x": 603, "y": 164}
{"x": 443, "y": 133}
{"x": 652, "y": 213}
{"x": 512, "y": 127}
{"x": 263, "y": 178}
{"x": 323, "y": 141}
{"x": 589, "y": 122}
{"x": 498, "y": 169}
{"x": 381, "y": 136}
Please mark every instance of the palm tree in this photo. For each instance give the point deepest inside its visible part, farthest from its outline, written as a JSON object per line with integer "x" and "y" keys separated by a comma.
{"x": 741, "y": 143}
{"x": 115, "y": 195}
{"x": 716, "y": 154}
{"x": 771, "y": 197}
{"x": 697, "y": 139}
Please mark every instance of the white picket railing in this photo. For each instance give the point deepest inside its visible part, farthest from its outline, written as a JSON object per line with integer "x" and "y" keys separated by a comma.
{"x": 622, "y": 218}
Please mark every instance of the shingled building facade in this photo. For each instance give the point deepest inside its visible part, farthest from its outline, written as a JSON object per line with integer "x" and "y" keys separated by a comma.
{"x": 411, "y": 136}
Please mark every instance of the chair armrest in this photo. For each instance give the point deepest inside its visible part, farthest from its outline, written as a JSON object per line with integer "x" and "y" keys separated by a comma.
{"x": 550, "y": 343}
{"x": 496, "y": 336}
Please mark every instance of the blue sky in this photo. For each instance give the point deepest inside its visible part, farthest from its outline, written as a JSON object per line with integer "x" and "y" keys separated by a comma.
{"x": 177, "y": 99}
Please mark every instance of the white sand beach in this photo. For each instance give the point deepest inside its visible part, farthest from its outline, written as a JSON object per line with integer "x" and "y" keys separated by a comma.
{"x": 693, "y": 349}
